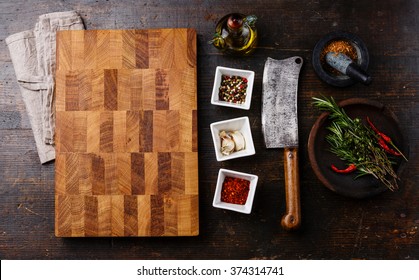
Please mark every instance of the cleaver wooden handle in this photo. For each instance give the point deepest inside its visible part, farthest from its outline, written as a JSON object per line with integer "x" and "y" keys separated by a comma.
{"x": 292, "y": 218}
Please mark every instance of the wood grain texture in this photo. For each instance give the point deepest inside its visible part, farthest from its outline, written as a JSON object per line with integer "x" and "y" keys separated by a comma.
{"x": 291, "y": 220}
{"x": 333, "y": 227}
{"x": 126, "y": 123}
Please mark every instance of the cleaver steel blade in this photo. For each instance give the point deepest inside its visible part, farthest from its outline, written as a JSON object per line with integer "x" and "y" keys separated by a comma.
{"x": 280, "y": 127}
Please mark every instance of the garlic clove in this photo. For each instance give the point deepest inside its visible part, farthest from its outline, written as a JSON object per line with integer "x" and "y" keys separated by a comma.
{"x": 231, "y": 141}
{"x": 239, "y": 140}
{"x": 227, "y": 146}
{"x": 224, "y": 134}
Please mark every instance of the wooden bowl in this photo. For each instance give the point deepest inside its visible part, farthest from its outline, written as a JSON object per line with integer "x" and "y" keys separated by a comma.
{"x": 321, "y": 158}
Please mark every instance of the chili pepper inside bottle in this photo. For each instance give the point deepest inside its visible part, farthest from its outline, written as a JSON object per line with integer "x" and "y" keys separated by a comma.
{"x": 236, "y": 34}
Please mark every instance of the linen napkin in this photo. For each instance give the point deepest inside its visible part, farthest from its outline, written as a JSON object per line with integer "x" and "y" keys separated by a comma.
{"x": 33, "y": 54}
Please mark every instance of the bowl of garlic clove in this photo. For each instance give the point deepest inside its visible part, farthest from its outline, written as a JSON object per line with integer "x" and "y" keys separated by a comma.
{"x": 232, "y": 138}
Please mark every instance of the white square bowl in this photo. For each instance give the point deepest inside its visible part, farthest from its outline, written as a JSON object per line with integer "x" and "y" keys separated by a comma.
{"x": 238, "y": 124}
{"x": 247, "y": 207}
{"x": 219, "y": 72}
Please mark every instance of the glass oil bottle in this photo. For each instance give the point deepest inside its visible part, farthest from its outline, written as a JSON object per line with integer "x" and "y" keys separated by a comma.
{"x": 236, "y": 34}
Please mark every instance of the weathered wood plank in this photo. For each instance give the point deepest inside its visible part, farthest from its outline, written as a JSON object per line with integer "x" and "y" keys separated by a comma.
{"x": 333, "y": 227}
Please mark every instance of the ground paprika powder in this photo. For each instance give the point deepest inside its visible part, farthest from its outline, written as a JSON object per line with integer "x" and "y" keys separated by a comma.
{"x": 235, "y": 190}
{"x": 338, "y": 46}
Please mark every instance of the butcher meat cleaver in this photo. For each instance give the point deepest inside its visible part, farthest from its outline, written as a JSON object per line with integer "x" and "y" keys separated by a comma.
{"x": 280, "y": 127}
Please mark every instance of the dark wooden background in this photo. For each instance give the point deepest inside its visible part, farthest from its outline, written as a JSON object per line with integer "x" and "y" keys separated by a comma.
{"x": 333, "y": 227}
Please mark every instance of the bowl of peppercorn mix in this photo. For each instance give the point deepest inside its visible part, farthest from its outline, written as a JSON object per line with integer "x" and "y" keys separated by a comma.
{"x": 235, "y": 191}
{"x": 233, "y": 88}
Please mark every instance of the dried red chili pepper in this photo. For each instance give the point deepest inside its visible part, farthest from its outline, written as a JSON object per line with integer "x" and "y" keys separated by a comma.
{"x": 349, "y": 169}
{"x": 385, "y": 137}
{"x": 235, "y": 190}
{"x": 386, "y": 148}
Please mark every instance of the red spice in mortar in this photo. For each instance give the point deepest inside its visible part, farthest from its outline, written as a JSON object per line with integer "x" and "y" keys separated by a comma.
{"x": 235, "y": 190}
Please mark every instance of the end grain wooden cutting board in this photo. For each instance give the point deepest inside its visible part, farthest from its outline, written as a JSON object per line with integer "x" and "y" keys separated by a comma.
{"x": 126, "y": 133}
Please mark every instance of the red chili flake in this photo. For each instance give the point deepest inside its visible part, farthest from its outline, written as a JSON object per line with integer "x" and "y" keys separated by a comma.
{"x": 235, "y": 190}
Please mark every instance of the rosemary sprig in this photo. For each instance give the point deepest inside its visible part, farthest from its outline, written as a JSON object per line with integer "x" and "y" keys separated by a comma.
{"x": 355, "y": 143}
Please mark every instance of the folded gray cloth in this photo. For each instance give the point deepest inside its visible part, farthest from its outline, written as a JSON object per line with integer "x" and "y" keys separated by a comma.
{"x": 33, "y": 56}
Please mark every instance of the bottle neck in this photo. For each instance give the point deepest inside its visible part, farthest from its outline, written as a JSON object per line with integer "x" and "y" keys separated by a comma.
{"x": 235, "y": 24}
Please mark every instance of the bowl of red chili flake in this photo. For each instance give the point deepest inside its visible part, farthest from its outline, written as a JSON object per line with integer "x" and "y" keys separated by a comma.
{"x": 235, "y": 191}
{"x": 232, "y": 87}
